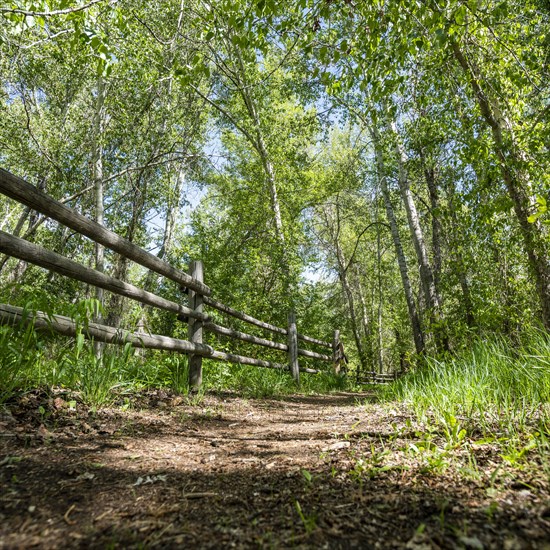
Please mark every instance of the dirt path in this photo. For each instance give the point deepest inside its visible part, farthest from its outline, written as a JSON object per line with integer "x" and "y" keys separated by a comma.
{"x": 311, "y": 472}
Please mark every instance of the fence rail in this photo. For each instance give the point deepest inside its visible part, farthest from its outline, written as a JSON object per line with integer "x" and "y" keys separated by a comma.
{"x": 199, "y": 295}
{"x": 373, "y": 377}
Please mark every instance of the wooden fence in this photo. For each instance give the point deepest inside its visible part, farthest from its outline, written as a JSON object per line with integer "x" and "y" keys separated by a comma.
{"x": 372, "y": 377}
{"x": 199, "y": 295}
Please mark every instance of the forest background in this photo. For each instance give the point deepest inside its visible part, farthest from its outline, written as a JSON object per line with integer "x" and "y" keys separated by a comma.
{"x": 378, "y": 167}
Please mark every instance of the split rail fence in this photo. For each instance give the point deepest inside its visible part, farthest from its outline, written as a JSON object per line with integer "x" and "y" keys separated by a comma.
{"x": 373, "y": 377}
{"x": 199, "y": 296}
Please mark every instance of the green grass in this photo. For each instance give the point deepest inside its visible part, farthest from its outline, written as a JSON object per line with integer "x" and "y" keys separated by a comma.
{"x": 494, "y": 381}
{"x": 30, "y": 360}
{"x": 261, "y": 382}
{"x": 496, "y": 393}
{"x": 21, "y": 357}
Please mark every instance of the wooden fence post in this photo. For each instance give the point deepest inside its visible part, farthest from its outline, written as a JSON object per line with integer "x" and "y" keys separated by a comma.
{"x": 336, "y": 351}
{"x": 293, "y": 347}
{"x": 195, "y": 326}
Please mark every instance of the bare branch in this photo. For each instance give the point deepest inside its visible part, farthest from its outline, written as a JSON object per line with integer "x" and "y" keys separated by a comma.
{"x": 226, "y": 114}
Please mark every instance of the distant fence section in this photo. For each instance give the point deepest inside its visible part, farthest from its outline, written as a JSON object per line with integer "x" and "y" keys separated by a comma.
{"x": 199, "y": 296}
{"x": 372, "y": 377}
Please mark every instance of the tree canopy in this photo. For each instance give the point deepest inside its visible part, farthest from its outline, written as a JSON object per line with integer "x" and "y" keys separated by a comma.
{"x": 382, "y": 166}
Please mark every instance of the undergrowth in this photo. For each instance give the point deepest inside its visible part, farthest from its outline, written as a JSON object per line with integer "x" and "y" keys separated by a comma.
{"x": 29, "y": 359}
{"x": 494, "y": 383}
{"x": 496, "y": 393}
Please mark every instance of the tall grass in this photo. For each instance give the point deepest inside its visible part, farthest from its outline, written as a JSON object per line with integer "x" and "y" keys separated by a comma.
{"x": 30, "y": 360}
{"x": 496, "y": 384}
{"x": 21, "y": 356}
{"x": 261, "y": 382}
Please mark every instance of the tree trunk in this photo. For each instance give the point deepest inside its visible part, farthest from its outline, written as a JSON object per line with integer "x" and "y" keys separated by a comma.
{"x": 344, "y": 281}
{"x": 365, "y": 324}
{"x": 116, "y": 302}
{"x": 455, "y": 245}
{"x": 172, "y": 214}
{"x": 15, "y": 275}
{"x": 433, "y": 191}
{"x": 97, "y": 176}
{"x": 427, "y": 279}
{"x": 259, "y": 144}
{"x": 418, "y": 335}
{"x": 380, "y": 351}
{"x": 512, "y": 159}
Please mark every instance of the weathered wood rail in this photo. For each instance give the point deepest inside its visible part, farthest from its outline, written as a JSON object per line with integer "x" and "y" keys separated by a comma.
{"x": 199, "y": 296}
{"x": 373, "y": 377}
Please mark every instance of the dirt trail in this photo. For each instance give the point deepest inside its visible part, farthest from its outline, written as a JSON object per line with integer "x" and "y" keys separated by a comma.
{"x": 303, "y": 471}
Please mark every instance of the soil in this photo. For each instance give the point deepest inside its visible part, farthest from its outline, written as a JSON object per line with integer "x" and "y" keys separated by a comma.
{"x": 221, "y": 471}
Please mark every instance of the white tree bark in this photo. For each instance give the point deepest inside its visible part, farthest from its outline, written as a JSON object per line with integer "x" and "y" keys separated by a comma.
{"x": 414, "y": 318}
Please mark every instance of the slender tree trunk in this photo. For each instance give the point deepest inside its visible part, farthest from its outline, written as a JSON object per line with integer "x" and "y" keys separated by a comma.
{"x": 346, "y": 287}
{"x": 380, "y": 350}
{"x": 258, "y": 142}
{"x": 354, "y": 321}
{"x": 97, "y": 176}
{"x": 272, "y": 186}
{"x": 31, "y": 216}
{"x": 170, "y": 221}
{"x": 273, "y": 193}
{"x": 365, "y": 323}
{"x": 418, "y": 335}
{"x": 427, "y": 279}
{"x": 17, "y": 231}
{"x": 172, "y": 214}
{"x": 512, "y": 161}
{"x": 455, "y": 246}
{"x": 116, "y": 302}
{"x": 433, "y": 191}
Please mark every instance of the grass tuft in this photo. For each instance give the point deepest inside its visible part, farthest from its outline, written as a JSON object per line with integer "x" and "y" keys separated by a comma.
{"x": 494, "y": 384}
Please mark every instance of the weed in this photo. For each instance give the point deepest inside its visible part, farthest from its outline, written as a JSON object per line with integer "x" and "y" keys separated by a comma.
{"x": 370, "y": 465}
{"x": 195, "y": 398}
{"x": 516, "y": 451}
{"x": 453, "y": 432}
{"x": 308, "y": 477}
{"x": 308, "y": 520}
{"x": 21, "y": 354}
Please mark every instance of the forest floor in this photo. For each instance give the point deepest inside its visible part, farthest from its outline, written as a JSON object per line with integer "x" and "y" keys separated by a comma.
{"x": 221, "y": 471}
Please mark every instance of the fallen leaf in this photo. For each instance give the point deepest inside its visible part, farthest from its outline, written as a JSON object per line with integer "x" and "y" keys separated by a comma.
{"x": 85, "y": 476}
{"x": 336, "y": 446}
{"x": 471, "y": 542}
{"x": 149, "y": 479}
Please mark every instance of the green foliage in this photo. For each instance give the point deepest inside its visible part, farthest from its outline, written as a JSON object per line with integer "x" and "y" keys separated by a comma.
{"x": 262, "y": 109}
{"x": 267, "y": 383}
{"x": 494, "y": 385}
{"x": 21, "y": 356}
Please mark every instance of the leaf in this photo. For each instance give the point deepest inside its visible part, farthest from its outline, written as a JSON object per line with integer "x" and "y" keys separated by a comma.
{"x": 150, "y": 479}
{"x": 337, "y": 446}
{"x": 460, "y": 15}
{"x": 86, "y": 476}
{"x": 471, "y": 542}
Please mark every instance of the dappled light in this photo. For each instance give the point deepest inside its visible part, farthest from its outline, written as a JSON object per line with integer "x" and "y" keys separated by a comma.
{"x": 274, "y": 274}
{"x": 283, "y": 472}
